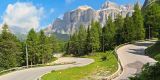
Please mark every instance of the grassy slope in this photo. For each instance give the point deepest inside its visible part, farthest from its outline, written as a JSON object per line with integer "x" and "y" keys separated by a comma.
{"x": 154, "y": 51}
{"x": 1, "y": 69}
{"x": 102, "y": 67}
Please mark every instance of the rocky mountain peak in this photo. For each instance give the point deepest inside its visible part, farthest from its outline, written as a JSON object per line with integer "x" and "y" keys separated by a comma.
{"x": 83, "y": 15}
{"x": 85, "y": 7}
{"x": 109, "y": 4}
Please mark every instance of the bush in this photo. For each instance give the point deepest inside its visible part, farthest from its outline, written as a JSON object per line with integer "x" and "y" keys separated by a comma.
{"x": 103, "y": 57}
{"x": 149, "y": 72}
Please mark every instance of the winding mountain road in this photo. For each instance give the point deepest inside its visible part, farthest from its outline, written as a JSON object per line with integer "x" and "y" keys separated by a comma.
{"x": 132, "y": 58}
{"x": 34, "y": 73}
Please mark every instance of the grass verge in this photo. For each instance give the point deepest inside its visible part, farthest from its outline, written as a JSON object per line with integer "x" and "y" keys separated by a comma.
{"x": 98, "y": 68}
{"x": 154, "y": 51}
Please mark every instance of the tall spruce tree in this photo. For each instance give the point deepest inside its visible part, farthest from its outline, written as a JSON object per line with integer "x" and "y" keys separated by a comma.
{"x": 94, "y": 37}
{"x": 6, "y": 35}
{"x": 77, "y": 42}
{"x": 32, "y": 44}
{"x": 128, "y": 33}
{"x": 138, "y": 23}
{"x": 88, "y": 41}
{"x": 152, "y": 18}
{"x": 55, "y": 43}
{"x": 98, "y": 25}
{"x": 48, "y": 50}
{"x": 109, "y": 33}
{"x": 81, "y": 40}
{"x": 73, "y": 44}
{"x": 45, "y": 48}
{"x": 119, "y": 24}
{"x": 9, "y": 49}
{"x": 9, "y": 54}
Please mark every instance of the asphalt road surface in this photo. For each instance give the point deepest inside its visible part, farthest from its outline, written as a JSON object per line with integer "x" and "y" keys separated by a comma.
{"x": 34, "y": 73}
{"x": 132, "y": 58}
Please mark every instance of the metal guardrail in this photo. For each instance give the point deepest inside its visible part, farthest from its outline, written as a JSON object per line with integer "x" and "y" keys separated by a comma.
{"x": 23, "y": 67}
{"x": 12, "y": 69}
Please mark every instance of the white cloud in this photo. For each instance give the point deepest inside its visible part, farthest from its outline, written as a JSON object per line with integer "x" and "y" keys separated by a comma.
{"x": 69, "y": 1}
{"x": 21, "y": 17}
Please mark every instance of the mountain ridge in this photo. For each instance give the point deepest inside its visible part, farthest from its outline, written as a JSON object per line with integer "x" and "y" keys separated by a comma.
{"x": 83, "y": 15}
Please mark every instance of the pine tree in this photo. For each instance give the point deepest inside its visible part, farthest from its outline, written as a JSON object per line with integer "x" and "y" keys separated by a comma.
{"x": 55, "y": 44}
{"x": 98, "y": 25}
{"x": 152, "y": 18}
{"x": 77, "y": 42}
{"x": 48, "y": 51}
{"x": 73, "y": 44}
{"x": 9, "y": 54}
{"x": 9, "y": 49}
{"x": 81, "y": 40}
{"x": 32, "y": 44}
{"x": 42, "y": 47}
{"x": 94, "y": 37}
{"x": 119, "y": 24}
{"x": 128, "y": 33}
{"x": 6, "y": 35}
{"x": 88, "y": 41}
{"x": 109, "y": 33}
{"x": 138, "y": 23}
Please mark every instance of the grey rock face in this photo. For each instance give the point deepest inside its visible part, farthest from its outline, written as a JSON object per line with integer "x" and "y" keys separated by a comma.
{"x": 83, "y": 15}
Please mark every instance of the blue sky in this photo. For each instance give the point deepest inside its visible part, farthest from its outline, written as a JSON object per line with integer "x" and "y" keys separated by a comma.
{"x": 48, "y": 10}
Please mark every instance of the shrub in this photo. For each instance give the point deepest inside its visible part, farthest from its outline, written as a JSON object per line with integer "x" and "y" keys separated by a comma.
{"x": 103, "y": 57}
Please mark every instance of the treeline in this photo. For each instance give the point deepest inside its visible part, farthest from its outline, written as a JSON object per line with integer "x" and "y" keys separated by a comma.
{"x": 152, "y": 25}
{"x": 152, "y": 19}
{"x": 40, "y": 48}
{"x": 115, "y": 32}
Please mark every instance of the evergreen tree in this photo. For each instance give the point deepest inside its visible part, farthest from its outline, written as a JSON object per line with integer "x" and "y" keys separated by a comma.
{"x": 98, "y": 25}
{"x": 152, "y": 18}
{"x": 94, "y": 37}
{"x": 32, "y": 44}
{"x": 6, "y": 35}
{"x": 41, "y": 45}
{"x": 9, "y": 49}
{"x": 82, "y": 35}
{"x": 109, "y": 32}
{"x": 8, "y": 54}
{"x": 83, "y": 42}
{"x": 72, "y": 45}
{"x": 55, "y": 44}
{"x": 77, "y": 43}
{"x": 44, "y": 48}
{"x": 119, "y": 24}
{"x": 48, "y": 50}
{"x": 128, "y": 33}
{"x": 138, "y": 23}
{"x": 88, "y": 41}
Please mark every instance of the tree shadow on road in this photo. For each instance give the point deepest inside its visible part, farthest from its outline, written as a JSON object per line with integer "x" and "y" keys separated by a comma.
{"x": 137, "y": 51}
{"x": 143, "y": 44}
